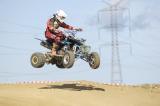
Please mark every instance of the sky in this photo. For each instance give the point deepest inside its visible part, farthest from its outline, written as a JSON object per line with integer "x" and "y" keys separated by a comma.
{"x": 23, "y": 20}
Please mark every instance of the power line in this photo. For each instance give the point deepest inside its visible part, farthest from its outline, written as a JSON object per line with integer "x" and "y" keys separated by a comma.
{"x": 22, "y": 33}
{"x": 8, "y": 54}
{"x": 14, "y": 48}
{"x": 142, "y": 45}
{"x": 148, "y": 62}
{"x": 20, "y": 25}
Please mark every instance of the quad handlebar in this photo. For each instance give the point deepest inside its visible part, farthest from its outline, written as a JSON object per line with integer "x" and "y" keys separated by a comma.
{"x": 70, "y": 35}
{"x": 70, "y": 32}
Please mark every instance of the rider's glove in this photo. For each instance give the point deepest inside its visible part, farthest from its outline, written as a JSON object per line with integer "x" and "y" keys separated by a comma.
{"x": 78, "y": 29}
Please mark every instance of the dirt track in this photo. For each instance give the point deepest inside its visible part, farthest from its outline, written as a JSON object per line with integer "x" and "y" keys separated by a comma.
{"x": 81, "y": 94}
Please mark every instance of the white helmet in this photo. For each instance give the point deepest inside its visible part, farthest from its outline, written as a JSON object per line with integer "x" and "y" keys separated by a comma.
{"x": 61, "y": 15}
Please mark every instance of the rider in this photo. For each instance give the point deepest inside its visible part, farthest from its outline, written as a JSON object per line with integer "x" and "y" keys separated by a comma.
{"x": 52, "y": 33}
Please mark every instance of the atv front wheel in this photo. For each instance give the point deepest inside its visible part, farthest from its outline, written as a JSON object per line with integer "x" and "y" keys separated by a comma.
{"x": 68, "y": 59}
{"x": 37, "y": 60}
{"x": 59, "y": 64}
{"x": 94, "y": 60}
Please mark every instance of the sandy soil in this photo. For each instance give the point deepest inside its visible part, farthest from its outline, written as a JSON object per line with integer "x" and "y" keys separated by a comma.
{"x": 78, "y": 94}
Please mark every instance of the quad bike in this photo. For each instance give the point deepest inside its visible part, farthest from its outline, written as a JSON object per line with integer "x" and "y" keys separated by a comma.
{"x": 70, "y": 49}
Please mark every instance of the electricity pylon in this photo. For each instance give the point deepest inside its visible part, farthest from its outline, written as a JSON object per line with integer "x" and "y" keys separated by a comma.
{"x": 116, "y": 69}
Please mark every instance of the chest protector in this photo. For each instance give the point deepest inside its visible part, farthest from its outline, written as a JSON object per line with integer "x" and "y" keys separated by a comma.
{"x": 55, "y": 23}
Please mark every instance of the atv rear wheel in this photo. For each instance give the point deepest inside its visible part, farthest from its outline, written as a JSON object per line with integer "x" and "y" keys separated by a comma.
{"x": 94, "y": 60}
{"x": 37, "y": 60}
{"x": 68, "y": 59}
